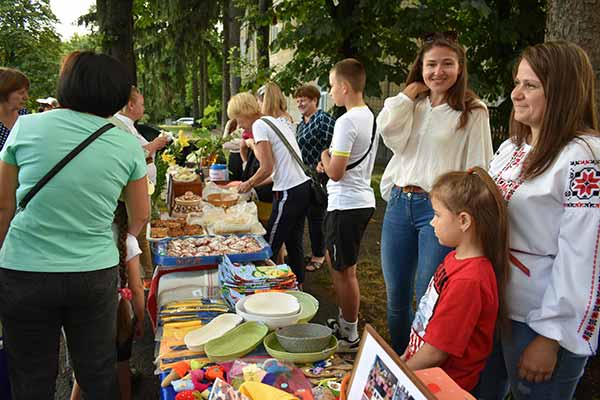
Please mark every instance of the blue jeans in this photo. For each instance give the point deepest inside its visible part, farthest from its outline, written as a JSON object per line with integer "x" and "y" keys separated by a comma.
{"x": 501, "y": 371}
{"x": 410, "y": 254}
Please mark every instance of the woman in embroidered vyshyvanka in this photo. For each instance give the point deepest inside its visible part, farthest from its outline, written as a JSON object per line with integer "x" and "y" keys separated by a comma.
{"x": 549, "y": 173}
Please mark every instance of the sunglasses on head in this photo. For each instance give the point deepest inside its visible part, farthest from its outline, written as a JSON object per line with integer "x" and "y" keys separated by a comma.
{"x": 451, "y": 36}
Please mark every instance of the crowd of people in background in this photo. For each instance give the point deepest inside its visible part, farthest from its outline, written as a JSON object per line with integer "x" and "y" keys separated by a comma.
{"x": 500, "y": 249}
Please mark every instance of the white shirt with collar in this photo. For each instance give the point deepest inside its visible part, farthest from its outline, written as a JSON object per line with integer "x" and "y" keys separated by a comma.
{"x": 426, "y": 142}
{"x": 129, "y": 123}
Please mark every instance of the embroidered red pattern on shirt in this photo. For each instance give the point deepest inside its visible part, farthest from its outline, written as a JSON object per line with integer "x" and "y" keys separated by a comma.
{"x": 586, "y": 184}
{"x": 594, "y": 311}
{"x": 506, "y": 186}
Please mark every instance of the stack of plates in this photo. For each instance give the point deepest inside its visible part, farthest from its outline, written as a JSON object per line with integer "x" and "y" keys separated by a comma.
{"x": 274, "y": 309}
{"x": 244, "y": 279}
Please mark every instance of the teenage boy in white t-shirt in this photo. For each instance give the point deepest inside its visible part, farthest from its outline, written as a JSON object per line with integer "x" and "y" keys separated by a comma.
{"x": 348, "y": 163}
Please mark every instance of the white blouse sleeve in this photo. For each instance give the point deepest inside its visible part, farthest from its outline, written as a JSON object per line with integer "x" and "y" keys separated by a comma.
{"x": 394, "y": 122}
{"x": 571, "y": 303}
{"x": 479, "y": 148}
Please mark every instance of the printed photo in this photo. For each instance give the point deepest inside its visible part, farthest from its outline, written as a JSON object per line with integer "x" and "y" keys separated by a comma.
{"x": 382, "y": 384}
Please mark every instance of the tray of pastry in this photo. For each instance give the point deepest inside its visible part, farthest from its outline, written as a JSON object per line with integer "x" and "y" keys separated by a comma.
{"x": 159, "y": 229}
{"x": 209, "y": 249}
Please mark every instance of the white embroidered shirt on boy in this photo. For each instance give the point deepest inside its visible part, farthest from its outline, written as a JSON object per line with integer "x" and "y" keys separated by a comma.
{"x": 426, "y": 143}
{"x": 554, "y": 236}
{"x": 351, "y": 138}
{"x": 286, "y": 171}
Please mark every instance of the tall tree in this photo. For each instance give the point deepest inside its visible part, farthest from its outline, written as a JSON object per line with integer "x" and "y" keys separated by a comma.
{"x": 29, "y": 42}
{"x": 226, "y": 94}
{"x": 115, "y": 20}
{"x": 235, "y": 14}
{"x": 262, "y": 34}
{"x": 579, "y": 22}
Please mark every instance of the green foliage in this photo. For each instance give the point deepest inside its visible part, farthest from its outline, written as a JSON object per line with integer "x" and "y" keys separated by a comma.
{"x": 383, "y": 35}
{"x": 29, "y": 42}
{"x": 82, "y": 42}
{"x": 211, "y": 115}
{"x": 168, "y": 36}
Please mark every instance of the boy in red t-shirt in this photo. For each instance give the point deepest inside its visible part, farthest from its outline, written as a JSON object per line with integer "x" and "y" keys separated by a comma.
{"x": 456, "y": 318}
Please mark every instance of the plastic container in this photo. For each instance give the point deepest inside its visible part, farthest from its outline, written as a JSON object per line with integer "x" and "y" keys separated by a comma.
{"x": 271, "y": 322}
{"x": 304, "y": 338}
{"x": 275, "y": 350}
{"x": 218, "y": 173}
{"x": 236, "y": 343}
{"x": 160, "y": 256}
{"x": 308, "y": 305}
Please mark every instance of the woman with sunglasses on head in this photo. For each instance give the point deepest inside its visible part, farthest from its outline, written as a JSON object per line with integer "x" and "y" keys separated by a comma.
{"x": 549, "y": 173}
{"x": 436, "y": 125}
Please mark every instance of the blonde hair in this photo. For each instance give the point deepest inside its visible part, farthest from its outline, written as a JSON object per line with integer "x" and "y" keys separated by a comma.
{"x": 242, "y": 104}
{"x": 273, "y": 101}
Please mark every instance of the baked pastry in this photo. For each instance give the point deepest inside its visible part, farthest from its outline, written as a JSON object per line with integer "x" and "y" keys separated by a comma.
{"x": 175, "y": 231}
{"x": 190, "y": 230}
{"x": 158, "y": 223}
{"x": 159, "y": 232}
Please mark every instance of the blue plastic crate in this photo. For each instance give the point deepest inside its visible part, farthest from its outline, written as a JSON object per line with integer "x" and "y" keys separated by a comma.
{"x": 160, "y": 257}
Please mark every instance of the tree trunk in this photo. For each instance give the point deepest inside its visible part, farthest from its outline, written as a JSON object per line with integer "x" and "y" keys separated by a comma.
{"x": 203, "y": 80}
{"x": 234, "y": 44}
{"x": 115, "y": 20}
{"x": 262, "y": 38}
{"x": 195, "y": 91}
{"x": 579, "y": 22}
{"x": 226, "y": 76}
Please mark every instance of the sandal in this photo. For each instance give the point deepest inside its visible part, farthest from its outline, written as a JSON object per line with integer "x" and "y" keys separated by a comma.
{"x": 313, "y": 266}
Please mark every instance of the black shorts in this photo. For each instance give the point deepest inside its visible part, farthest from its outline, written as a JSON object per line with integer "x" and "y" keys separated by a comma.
{"x": 344, "y": 230}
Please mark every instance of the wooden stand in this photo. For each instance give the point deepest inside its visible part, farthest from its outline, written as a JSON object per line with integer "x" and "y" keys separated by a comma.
{"x": 176, "y": 189}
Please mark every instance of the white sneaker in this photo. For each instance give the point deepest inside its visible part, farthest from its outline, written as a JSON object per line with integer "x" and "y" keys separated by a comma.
{"x": 347, "y": 346}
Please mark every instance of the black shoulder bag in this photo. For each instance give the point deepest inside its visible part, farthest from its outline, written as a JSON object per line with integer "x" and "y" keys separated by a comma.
{"x": 60, "y": 165}
{"x": 318, "y": 192}
{"x": 355, "y": 163}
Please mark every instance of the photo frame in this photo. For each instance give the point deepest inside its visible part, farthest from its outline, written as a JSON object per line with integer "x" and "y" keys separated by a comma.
{"x": 379, "y": 374}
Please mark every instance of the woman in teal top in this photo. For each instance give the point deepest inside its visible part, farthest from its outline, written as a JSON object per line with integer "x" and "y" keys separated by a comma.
{"x": 57, "y": 256}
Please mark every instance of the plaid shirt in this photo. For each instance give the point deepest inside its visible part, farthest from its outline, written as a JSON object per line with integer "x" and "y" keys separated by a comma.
{"x": 4, "y": 131}
{"x": 315, "y": 136}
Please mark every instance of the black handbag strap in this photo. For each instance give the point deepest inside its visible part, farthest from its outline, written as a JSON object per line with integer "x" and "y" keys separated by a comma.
{"x": 60, "y": 165}
{"x": 355, "y": 163}
{"x": 288, "y": 145}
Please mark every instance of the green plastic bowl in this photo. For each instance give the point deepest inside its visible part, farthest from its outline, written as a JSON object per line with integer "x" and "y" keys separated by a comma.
{"x": 275, "y": 350}
{"x": 236, "y": 343}
{"x": 308, "y": 305}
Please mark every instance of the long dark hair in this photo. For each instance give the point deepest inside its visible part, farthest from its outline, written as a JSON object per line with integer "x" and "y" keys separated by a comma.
{"x": 460, "y": 97}
{"x": 567, "y": 77}
{"x": 121, "y": 222}
{"x": 476, "y": 193}
{"x": 124, "y": 321}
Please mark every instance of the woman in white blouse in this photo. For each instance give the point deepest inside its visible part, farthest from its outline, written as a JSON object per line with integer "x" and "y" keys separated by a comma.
{"x": 549, "y": 173}
{"x": 434, "y": 126}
